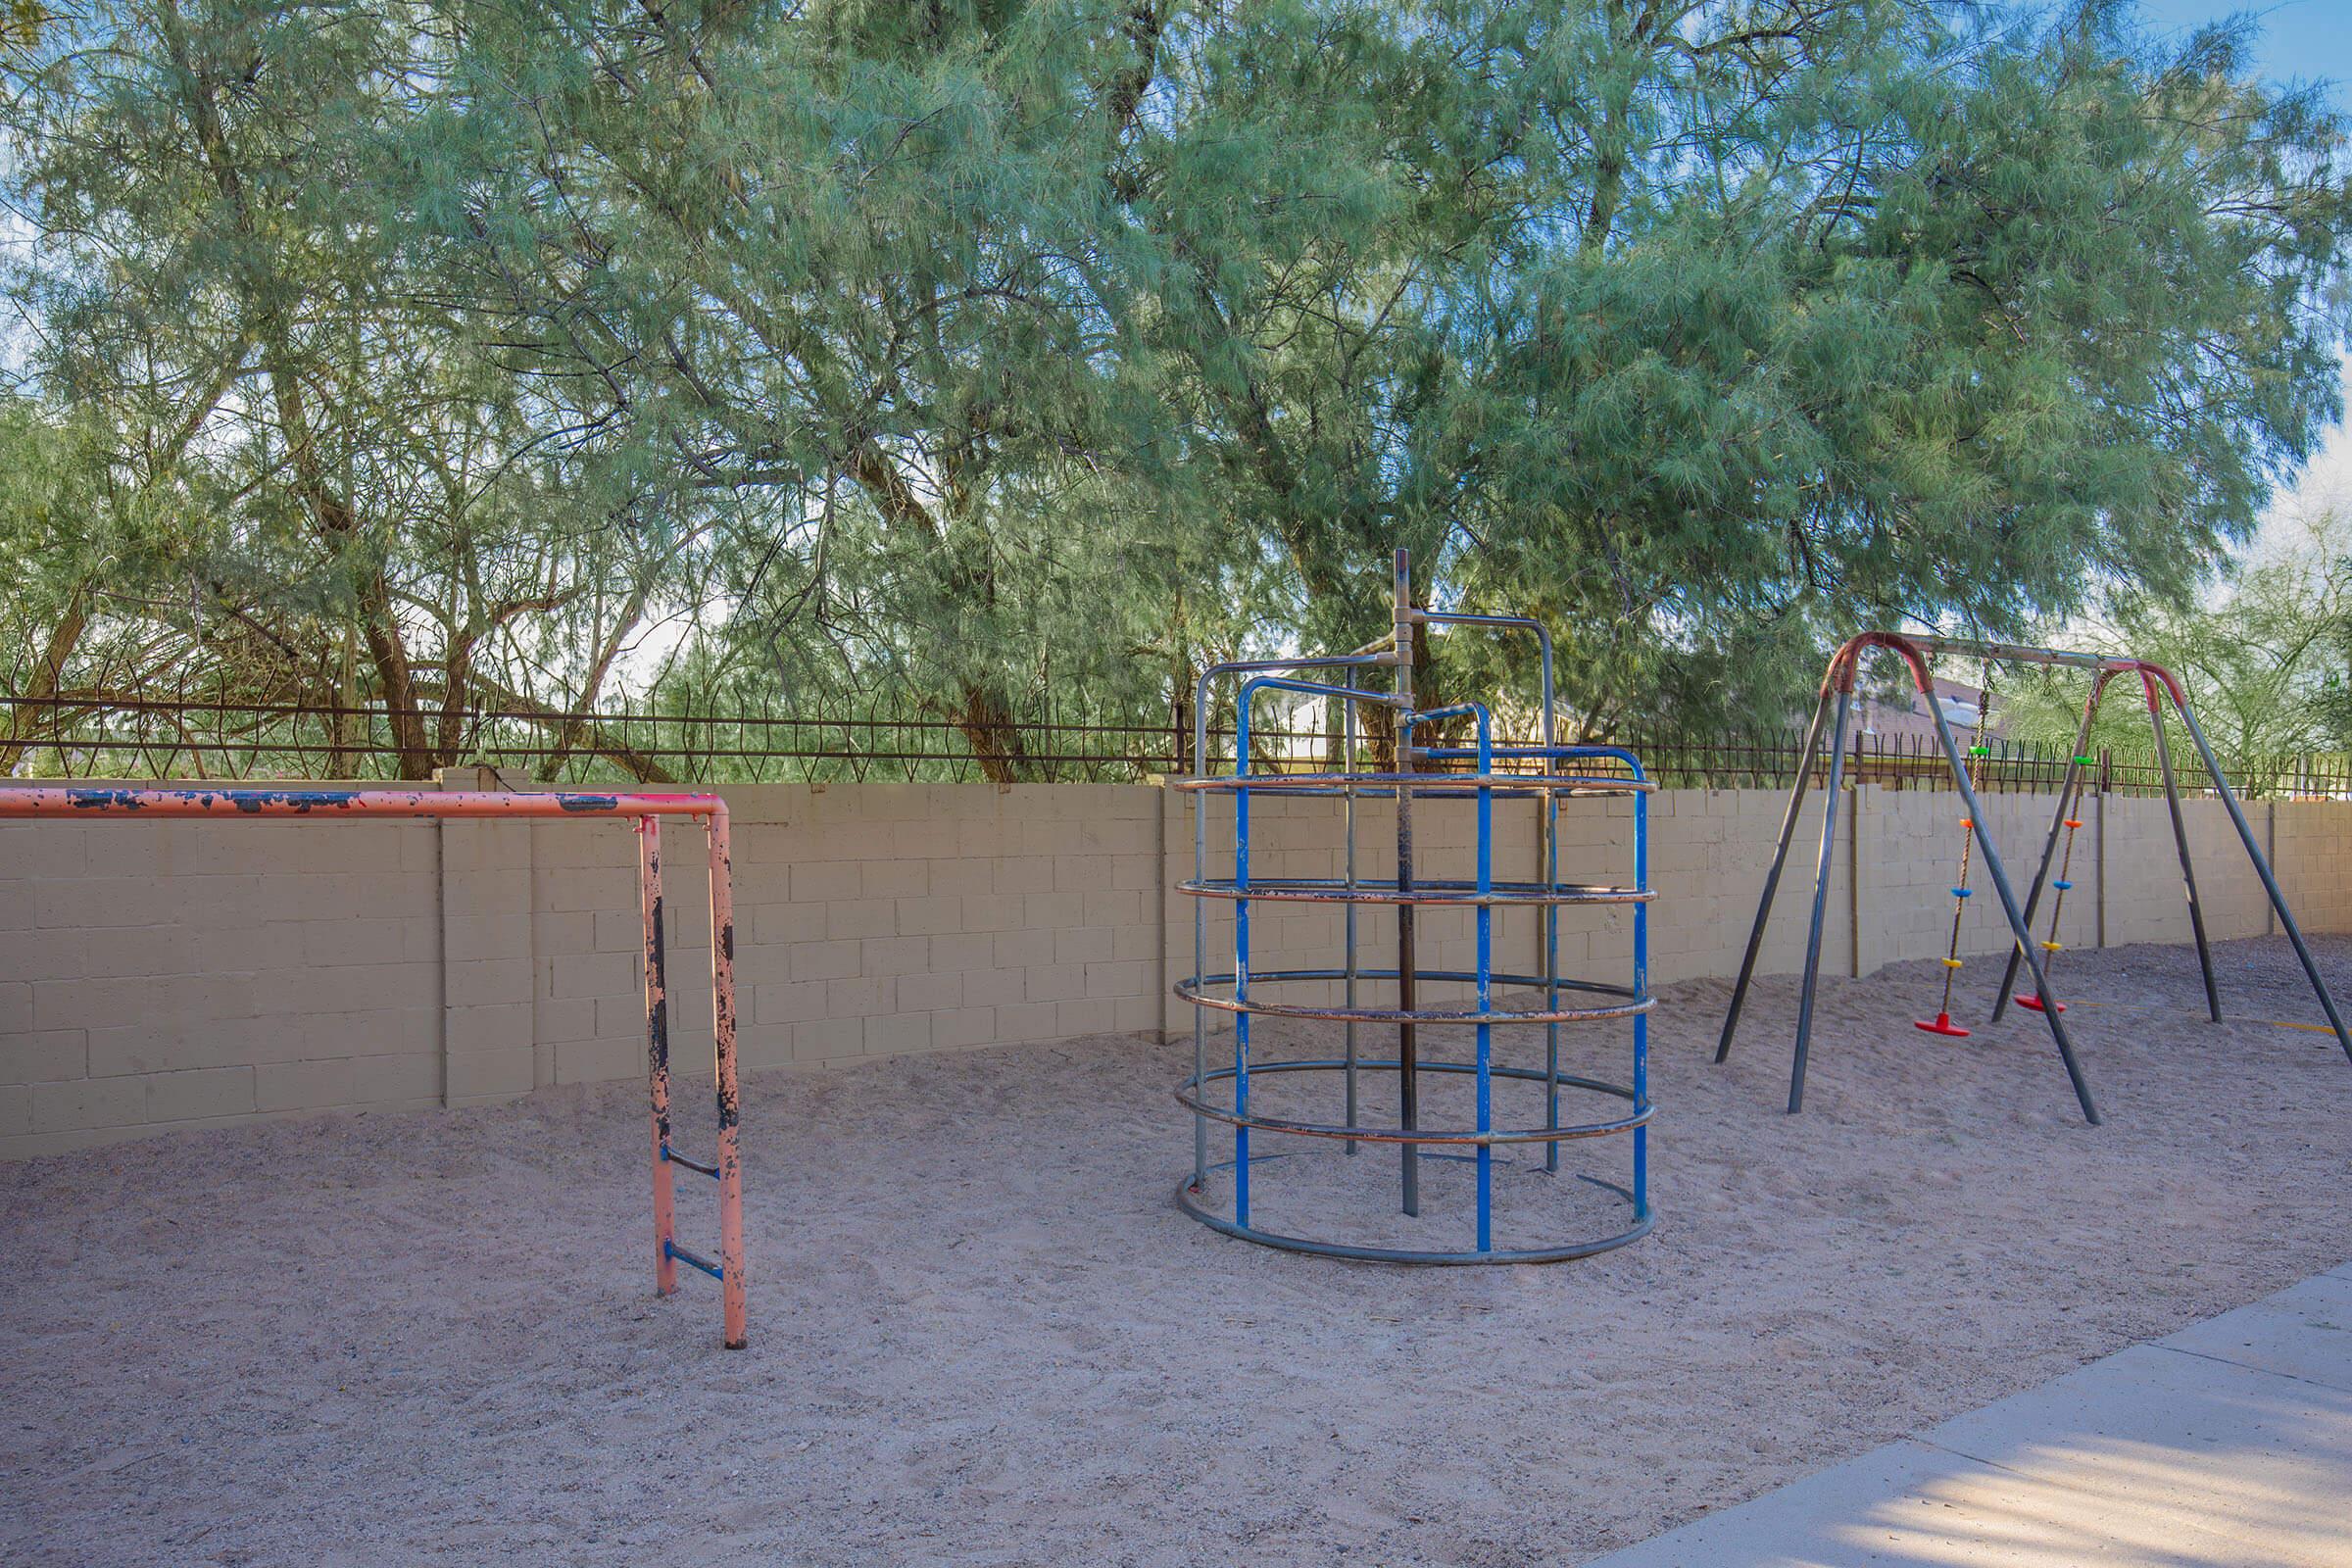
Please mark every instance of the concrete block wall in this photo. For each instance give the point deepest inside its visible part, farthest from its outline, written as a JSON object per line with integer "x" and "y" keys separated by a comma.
{"x": 871, "y": 921}
{"x": 159, "y": 975}
{"x": 193, "y": 974}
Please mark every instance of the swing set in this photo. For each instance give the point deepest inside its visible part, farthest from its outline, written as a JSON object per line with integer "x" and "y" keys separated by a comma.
{"x": 2158, "y": 686}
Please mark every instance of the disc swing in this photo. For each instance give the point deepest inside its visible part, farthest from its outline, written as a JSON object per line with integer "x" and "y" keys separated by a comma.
{"x": 1942, "y": 1023}
{"x": 2051, "y": 947}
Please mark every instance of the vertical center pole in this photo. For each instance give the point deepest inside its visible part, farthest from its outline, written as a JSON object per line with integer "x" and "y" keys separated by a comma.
{"x": 656, "y": 1049}
{"x": 1408, "y": 1063}
{"x": 1550, "y": 851}
{"x": 722, "y": 1041}
{"x": 1348, "y": 808}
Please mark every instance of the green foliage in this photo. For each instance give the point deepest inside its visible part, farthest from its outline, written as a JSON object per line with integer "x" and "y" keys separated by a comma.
{"x": 2264, "y": 667}
{"x": 986, "y": 361}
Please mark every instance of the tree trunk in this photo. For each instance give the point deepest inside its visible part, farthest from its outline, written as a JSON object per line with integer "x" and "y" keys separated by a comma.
{"x": 994, "y": 734}
{"x": 47, "y": 676}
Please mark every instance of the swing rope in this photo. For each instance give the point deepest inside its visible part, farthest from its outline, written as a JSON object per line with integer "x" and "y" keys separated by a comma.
{"x": 2050, "y": 944}
{"x": 1977, "y": 751}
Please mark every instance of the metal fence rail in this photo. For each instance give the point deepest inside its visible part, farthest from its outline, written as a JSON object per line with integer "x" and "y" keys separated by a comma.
{"x": 169, "y": 738}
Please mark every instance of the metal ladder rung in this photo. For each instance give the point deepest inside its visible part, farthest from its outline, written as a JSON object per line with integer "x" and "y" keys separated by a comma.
{"x": 677, "y": 1159}
{"x": 692, "y": 1259}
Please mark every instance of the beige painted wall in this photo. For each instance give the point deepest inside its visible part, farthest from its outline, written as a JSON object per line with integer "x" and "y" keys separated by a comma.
{"x": 162, "y": 975}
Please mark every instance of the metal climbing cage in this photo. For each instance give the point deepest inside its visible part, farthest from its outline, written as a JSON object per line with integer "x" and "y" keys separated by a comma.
{"x": 1383, "y": 1101}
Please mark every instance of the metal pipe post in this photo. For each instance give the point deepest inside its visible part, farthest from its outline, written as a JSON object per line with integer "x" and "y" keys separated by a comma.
{"x": 1641, "y": 994}
{"x": 1486, "y": 992}
{"x": 1821, "y": 906}
{"x": 2050, "y": 1010}
{"x": 1199, "y": 935}
{"x": 2188, "y": 875}
{"x": 1407, "y": 1046}
{"x": 1348, "y": 810}
{"x": 657, "y": 1051}
{"x": 722, "y": 1037}
{"x": 1772, "y": 878}
{"x": 1549, "y": 850}
{"x": 2261, "y": 868}
{"x": 1241, "y": 968}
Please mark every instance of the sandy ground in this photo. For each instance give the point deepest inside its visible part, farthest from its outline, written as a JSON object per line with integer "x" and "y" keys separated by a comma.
{"x": 982, "y": 1333}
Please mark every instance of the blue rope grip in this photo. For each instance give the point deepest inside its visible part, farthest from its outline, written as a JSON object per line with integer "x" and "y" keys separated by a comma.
{"x": 1960, "y": 893}
{"x": 2062, "y": 884}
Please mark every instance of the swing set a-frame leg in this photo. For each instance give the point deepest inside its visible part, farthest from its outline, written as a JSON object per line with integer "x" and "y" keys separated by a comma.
{"x": 2261, "y": 868}
{"x": 2189, "y": 874}
{"x": 1772, "y": 878}
{"x": 2017, "y": 919}
{"x": 1821, "y": 903}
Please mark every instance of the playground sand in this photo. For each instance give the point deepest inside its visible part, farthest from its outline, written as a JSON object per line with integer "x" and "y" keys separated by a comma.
{"x": 982, "y": 1334}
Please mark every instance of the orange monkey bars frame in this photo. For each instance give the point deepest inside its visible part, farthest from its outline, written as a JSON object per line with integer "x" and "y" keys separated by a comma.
{"x": 92, "y": 802}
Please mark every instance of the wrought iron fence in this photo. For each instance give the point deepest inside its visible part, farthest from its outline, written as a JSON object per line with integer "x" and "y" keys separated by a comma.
{"x": 136, "y": 738}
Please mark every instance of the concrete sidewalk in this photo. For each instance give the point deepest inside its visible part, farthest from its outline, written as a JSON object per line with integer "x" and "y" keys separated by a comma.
{"x": 2227, "y": 1444}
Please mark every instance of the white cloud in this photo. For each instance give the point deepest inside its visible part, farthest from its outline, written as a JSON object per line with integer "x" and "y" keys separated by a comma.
{"x": 2324, "y": 487}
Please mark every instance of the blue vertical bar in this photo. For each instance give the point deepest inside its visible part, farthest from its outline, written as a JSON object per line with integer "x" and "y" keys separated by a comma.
{"x": 1485, "y": 989}
{"x": 1551, "y": 943}
{"x": 1241, "y": 963}
{"x": 1641, "y": 993}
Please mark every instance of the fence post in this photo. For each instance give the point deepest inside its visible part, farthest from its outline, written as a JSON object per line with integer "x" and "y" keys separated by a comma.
{"x": 1857, "y": 861}
{"x": 2106, "y": 783}
{"x": 2270, "y": 852}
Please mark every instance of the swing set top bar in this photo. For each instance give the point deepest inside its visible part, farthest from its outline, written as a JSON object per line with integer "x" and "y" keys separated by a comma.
{"x": 1916, "y": 651}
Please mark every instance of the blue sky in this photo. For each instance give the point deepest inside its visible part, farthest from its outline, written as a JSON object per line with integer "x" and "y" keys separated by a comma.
{"x": 2302, "y": 40}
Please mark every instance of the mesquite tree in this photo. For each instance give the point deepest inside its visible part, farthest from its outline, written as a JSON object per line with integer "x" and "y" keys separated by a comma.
{"x": 959, "y": 360}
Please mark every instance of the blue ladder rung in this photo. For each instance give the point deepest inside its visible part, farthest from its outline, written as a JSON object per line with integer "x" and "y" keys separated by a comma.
{"x": 692, "y": 1259}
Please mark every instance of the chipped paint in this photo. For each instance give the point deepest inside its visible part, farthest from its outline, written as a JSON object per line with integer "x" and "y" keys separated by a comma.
{"x": 722, "y": 1031}
{"x": 44, "y": 801}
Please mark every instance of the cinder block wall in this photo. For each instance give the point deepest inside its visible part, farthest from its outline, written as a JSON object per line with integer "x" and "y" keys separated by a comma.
{"x": 190, "y": 975}
{"x": 162, "y": 975}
